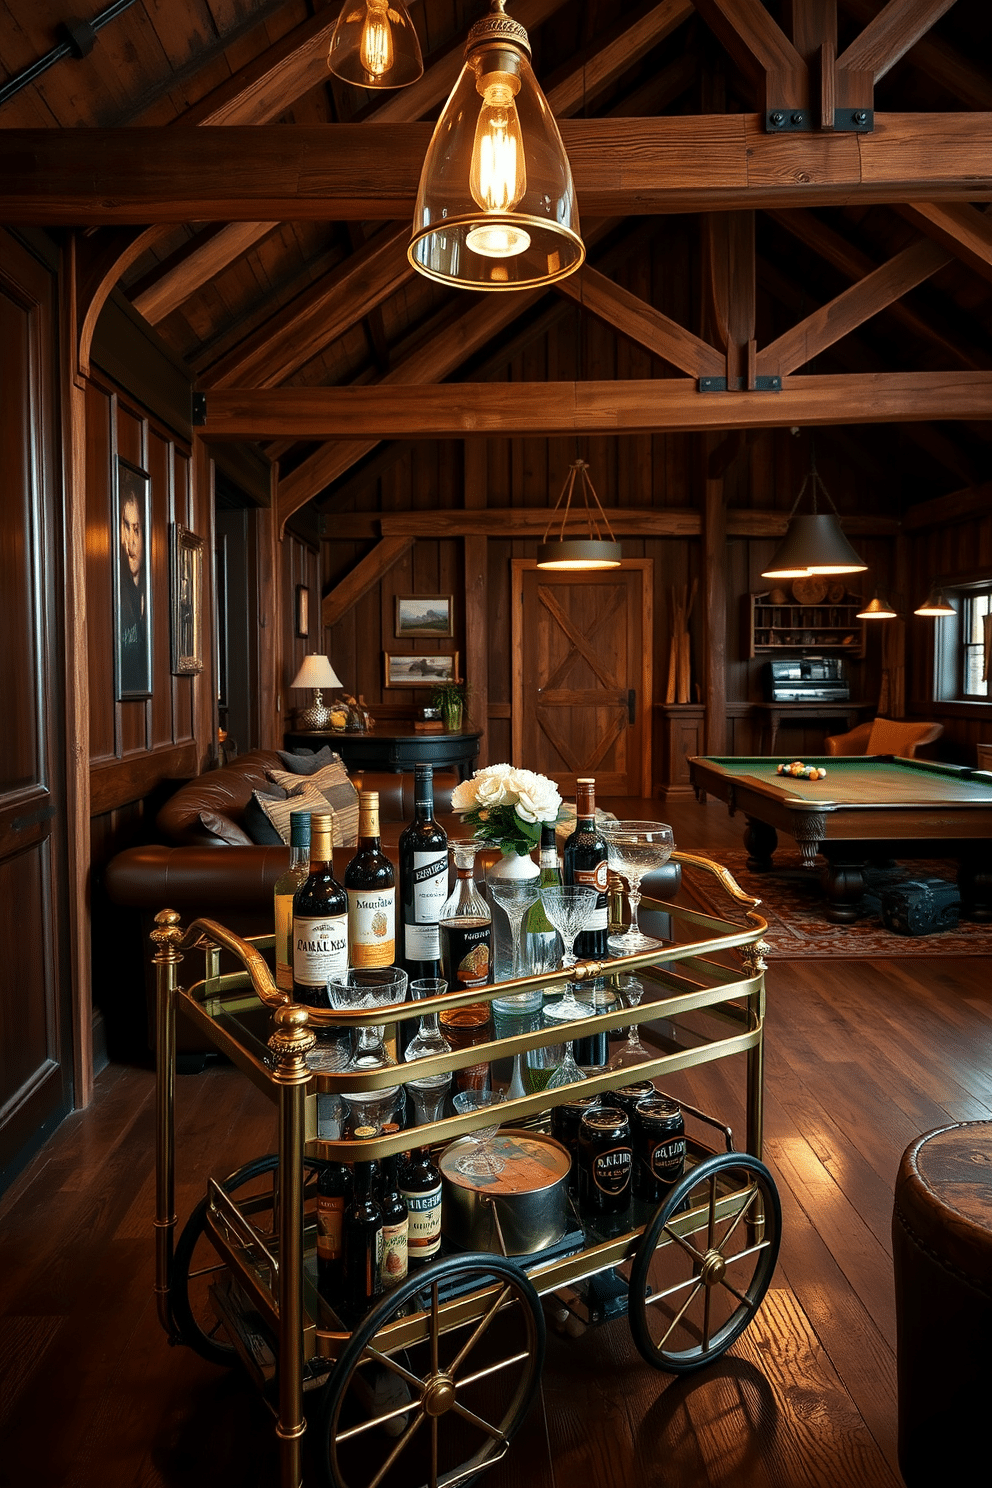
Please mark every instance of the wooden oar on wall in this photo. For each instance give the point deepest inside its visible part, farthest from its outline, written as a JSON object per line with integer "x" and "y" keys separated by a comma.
{"x": 679, "y": 686}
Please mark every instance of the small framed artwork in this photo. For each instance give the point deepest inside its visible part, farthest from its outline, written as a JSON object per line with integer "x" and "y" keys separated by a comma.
{"x": 186, "y": 573}
{"x": 423, "y": 615}
{"x": 132, "y": 584}
{"x": 302, "y": 610}
{"x": 405, "y": 670}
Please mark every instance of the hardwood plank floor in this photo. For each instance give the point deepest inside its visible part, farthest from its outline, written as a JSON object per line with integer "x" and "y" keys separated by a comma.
{"x": 862, "y": 1056}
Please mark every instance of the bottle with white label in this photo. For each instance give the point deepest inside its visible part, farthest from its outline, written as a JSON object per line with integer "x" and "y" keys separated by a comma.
{"x": 369, "y": 882}
{"x": 420, "y": 1188}
{"x": 423, "y": 855}
{"x": 584, "y": 862}
{"x": 320, "y": 919}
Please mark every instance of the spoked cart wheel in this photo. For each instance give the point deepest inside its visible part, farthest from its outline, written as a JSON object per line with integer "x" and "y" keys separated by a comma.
{"x": 197, "y": 1267}
{"x": 704, "y": 1263}
{"x": 465, "y": 1350}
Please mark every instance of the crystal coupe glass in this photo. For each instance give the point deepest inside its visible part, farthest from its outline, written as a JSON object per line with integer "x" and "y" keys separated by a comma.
{"x": 631, "y": 1051}
{"x": 479, "y": 1161}
{"x": 428, "y": 1094}
{"x": 515, "y": 897}
{"x": 634, "y": 849}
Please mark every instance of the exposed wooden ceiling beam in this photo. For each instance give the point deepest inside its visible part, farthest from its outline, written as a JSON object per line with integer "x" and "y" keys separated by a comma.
{"x": 963, "y": 229}
{"x": 651, "y": 329}
{"x": 854, "y": 263}
{"x": 851, "y": 308}
{"x": 889, "y": 35}
{"x": 613, "y": 58}
{"x": 522, "y": 521}
{"x": 761, "y": 50}
{"x": 390, "y": 411}
{"x": 940, "y": 61}
{"x": 956, "y": 506}
{"x": 363, "y": 577}
{"x": 371, "y": 171}
{"x": 165, "y": 288}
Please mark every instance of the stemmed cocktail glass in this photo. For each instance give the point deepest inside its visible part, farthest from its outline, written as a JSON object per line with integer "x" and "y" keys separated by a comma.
{"x": 568, "y": 909}
{"x": 428, "y": 1093}
{"x": 631, "y": 1051}
{"x": 366, "y": 989}
{"x": 634, "y": 849}
{"x": 480, "y": 1161}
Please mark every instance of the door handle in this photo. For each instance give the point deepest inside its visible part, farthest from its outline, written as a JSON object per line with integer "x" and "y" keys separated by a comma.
{"x": 632, "y": 705}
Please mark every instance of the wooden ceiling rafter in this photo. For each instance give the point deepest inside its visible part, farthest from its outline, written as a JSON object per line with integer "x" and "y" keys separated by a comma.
{"x": 963, "y": 229}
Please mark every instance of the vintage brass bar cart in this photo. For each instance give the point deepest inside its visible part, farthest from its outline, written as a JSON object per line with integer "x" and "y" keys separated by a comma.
{"x": 430, "y": 1385}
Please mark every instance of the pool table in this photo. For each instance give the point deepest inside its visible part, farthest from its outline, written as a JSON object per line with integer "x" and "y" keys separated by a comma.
{"x": 869, "y": 807}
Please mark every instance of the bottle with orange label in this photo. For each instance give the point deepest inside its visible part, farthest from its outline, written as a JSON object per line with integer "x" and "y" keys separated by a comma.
{"x": 584, "y": 863}
{"x": 370, "y": 883}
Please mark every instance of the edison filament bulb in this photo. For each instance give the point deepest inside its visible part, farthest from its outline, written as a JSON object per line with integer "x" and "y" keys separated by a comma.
{"x": 498, "y": 171}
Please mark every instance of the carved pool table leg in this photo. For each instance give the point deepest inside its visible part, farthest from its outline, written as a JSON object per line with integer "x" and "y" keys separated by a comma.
{"x": 761, "y": 841}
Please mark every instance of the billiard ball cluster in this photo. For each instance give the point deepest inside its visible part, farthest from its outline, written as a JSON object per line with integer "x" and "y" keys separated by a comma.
{"x": 801, "y": 771}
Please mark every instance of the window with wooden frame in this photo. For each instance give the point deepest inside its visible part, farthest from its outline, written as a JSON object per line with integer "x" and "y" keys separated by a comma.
{"x": 963, "y": 644}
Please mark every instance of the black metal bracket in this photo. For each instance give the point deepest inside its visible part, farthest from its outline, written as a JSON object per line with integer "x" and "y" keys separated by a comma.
{"x": 854, "y": 121}
{"x": 788, "y": 121}
{"x": 79, "y": 36}
{"x": 198, "y": 410}
{"x": 719, "y": 385}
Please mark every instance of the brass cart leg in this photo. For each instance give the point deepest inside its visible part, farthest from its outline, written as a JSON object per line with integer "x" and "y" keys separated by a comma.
{"x": 290, "y": 1044}
{"x": 167, "y": 939}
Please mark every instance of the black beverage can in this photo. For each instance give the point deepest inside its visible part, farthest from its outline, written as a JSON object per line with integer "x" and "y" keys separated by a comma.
{"x": 605, "y": 1160}
{"x": 626, "y": 1097}
{"x": 659, "y": 1147}
{"x": 565, "y": 1129}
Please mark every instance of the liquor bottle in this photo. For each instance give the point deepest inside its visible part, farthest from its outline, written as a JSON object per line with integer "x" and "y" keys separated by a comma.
{"x": 467, "y": 961}
{"x": 584, "y": 862}
{"x": 320, "y": 919}
{"x": 544, "y": 947}
{"x": 370, "y": 882}
{"x": 361, "y": 1235}
{"x": 420, "y": 1188}
{"x": 283, "y": 891}
{"x": 395, "y": 1226}
{"x": 423, "y": 853}
{"x": 593, "y": 1049}
{"x": 334, "y": 1191}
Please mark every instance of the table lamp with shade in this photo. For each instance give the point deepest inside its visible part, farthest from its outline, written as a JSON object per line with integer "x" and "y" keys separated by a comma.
{"x": 316, "y": 672}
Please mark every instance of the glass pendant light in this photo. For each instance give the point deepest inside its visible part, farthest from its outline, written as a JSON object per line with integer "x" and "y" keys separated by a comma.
{"x": 496, "y": 207}
{"x": 599, "y": 549}
{"x": 374, "y": 45}
{"x": 935, "y": 604}
{"x": 814, "y": 543}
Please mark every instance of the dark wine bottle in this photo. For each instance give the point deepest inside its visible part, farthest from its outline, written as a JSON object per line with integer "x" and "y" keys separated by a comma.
{"x": 334, "y": 1190}
{"x": 370, "y": 883}
{"x": 423, "y": 854}
{"x": 361, "y": 1236}
{"x": 320, "y": 919}
{"x": 584, "y": 863}
{"x": 395, "y": 1226}
{"x": 420, "y": 1187}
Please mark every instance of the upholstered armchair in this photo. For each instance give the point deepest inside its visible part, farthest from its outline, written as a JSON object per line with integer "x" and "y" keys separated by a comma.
{"x": 885, "y": 736}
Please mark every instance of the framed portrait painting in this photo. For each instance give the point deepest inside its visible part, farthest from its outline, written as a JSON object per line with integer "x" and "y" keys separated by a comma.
{"x": 132, "y": 584}
{"x": 423, "y": 615}
{"x": 406, "y": 670}
{"x": 186, "y": 574}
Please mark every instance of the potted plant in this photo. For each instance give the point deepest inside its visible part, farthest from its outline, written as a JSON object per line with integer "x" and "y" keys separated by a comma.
{"x": 451, "y": 697}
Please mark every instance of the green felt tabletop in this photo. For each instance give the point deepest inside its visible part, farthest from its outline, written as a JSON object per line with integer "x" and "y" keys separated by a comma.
{"x": 858, "y": 779}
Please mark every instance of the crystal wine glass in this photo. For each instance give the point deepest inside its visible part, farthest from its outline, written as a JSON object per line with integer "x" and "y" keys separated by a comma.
{"x": 480, "y": 1161}
{"x": 428, "y": 1093}
{"x": 515, "y": 897}
{"x": 568, "y": 910}
{"x": 631, "y": 1051}
{"x": 635, "y": 848}
{"x": 568, "y": 1072}
{"x": 365, "y": 989}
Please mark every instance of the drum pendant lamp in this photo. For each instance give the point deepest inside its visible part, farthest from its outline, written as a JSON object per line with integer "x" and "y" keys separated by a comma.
{"x": 599, "y": 549}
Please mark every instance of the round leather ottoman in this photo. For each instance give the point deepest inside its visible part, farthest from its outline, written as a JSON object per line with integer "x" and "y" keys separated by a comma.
{"x": 942, "y": 1253}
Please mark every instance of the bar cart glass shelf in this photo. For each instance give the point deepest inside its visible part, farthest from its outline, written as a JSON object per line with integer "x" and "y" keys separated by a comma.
{"x": 430, "y": 1385}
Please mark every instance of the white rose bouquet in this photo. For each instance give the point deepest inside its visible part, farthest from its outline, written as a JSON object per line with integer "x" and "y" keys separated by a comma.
{"x": 507, "y": 807}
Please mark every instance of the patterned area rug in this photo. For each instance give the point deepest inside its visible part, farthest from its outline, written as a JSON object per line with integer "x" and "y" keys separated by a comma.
{"x": 793, "y": 904}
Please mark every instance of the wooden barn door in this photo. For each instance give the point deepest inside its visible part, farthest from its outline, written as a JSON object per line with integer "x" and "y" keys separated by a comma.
{"x": 35, "y": 1005}
{"x": 582, "y": 675}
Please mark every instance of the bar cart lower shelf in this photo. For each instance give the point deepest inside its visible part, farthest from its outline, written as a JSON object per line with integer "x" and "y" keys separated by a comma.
{"x": 430, "y": 1386}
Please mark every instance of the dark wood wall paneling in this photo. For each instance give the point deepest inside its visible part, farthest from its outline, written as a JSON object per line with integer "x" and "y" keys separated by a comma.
{"x": 300, "y": 565}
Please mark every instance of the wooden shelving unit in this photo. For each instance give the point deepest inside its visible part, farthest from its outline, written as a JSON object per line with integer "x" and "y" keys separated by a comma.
{"x": 776, "y": 627}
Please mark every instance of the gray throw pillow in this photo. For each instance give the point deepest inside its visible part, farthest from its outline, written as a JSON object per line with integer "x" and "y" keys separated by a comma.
{"x": 304, "y": 761}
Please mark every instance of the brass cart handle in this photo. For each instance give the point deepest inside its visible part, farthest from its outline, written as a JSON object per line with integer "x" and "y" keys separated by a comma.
{"x": 204, "y": 932}
{"x": 727, "y": 880}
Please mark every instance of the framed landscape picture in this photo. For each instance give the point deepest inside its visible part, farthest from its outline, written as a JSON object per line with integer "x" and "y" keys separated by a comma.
{"x": 405, "y": 670}
{"x": 423, "y": 615}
